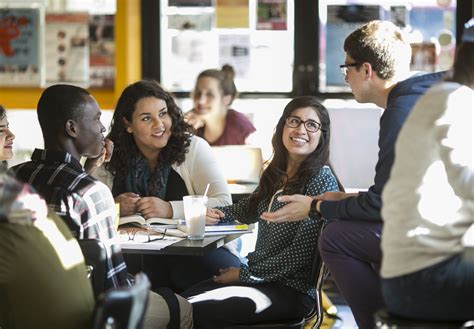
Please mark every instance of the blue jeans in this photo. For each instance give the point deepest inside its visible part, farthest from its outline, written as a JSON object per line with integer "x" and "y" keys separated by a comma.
{"x": 444, "y": 291}
{"x": 351, "y": 251}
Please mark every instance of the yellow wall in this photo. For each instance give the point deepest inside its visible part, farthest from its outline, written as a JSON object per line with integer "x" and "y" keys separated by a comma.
{"x": 127, "y": 63}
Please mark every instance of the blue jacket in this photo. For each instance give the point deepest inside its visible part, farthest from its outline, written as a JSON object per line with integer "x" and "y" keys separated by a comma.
{"x": 401, "y": 99}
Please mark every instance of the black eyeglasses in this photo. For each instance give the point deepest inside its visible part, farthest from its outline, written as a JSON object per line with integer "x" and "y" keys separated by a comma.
{"x": 310, "y": 125}
{"x": 345, "y": 67}
{"x": 141, "y": 236}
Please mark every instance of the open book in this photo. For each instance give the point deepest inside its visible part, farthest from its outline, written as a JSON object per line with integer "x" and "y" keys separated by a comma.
{"x": 140, "y": 220}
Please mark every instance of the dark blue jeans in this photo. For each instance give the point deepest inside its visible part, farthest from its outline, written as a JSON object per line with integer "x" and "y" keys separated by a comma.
{"x": 182, "y": 272}
{"x": 351, "y": 251}
{"x": 444, "y": 291}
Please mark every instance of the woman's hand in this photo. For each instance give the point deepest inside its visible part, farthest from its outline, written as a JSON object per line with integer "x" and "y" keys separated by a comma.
{"x": 194, "y": 119}
{"x": 154, "y": 207}
{"x": 128, "y": 203}
{"x": 213, "y": 216}
{"x": 92, "y": 164}
{"x": 228, "y": 275}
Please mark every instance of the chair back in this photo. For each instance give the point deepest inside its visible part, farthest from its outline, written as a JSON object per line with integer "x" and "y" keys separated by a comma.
{"x": 123, "y": 308}
{"x": 95, "y": 256}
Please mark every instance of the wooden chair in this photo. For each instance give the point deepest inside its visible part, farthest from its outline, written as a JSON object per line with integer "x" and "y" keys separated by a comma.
{"x": 123, "y": 308}
{"x": 95, "y": 256}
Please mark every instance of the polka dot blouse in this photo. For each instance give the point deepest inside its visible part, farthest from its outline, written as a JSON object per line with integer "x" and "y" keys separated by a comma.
{"x": 284, "y": 252}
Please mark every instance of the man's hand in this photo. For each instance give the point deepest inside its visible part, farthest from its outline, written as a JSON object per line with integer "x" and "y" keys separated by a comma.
{"x": 154, "y": 207}
{"x": 213, "y": 216}
{"x": 228, "y": 275}
{"x": 296, "y": 209}
{"x": 128, "y": 203}
{"x": 92, "y": 164}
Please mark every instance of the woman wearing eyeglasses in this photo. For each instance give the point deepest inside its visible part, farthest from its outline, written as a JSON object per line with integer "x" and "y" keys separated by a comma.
{"x": 275, "y": 285}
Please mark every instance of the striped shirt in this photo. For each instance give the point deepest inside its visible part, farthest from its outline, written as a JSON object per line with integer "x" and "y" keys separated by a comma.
{"x": 85, "y": 204}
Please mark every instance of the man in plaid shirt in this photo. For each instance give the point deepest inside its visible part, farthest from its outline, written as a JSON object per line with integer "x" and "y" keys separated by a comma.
{"x": 70, "y": 121}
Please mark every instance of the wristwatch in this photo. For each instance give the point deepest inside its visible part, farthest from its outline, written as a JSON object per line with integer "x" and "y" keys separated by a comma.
{"x": 313, "y": 211}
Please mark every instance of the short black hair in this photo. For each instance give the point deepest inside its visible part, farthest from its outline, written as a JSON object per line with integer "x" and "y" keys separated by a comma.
{"x": 58, "y": 104}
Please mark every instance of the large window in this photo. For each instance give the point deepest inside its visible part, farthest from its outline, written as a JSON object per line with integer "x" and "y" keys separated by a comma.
{"x": 254, "y": 36}
{"x": 430, "y": 25}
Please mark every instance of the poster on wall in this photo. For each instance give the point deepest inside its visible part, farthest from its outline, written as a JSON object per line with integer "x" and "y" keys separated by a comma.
{"x": 234, "y": 49}
{"x": 21, "y": 58}
{"x": 271, "y": 15}
{"x": 232, "y": 14}
{"x": 102, "y": 51}
{"x": 67, "y": 51}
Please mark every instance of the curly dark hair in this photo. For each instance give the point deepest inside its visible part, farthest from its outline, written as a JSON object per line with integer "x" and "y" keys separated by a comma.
{"x": 275, "y": 173}
{"x": 124, "y": 143}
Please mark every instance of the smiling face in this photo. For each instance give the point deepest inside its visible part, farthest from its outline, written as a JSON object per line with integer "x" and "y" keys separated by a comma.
{"x": 151, "y": 126}
{"x": 6, "y": 140}
{"x": 298, "y": 141}
{"x": 208, "y": 97}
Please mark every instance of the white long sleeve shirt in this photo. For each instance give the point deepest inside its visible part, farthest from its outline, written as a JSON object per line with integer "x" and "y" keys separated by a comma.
{"x": 428, "y": 202}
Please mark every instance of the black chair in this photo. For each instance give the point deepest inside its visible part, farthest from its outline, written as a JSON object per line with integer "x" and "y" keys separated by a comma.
{"x": 123, "y": 308}
{"x": 385, "y": 320}
{"x": 315, "y": 317}
{"x": 95, "y": 256}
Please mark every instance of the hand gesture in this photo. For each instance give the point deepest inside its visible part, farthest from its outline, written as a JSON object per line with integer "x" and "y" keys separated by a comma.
{"x": 297, "y": 209}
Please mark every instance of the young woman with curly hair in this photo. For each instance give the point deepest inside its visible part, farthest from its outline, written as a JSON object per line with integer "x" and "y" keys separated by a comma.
{"x": 156, "y": 161}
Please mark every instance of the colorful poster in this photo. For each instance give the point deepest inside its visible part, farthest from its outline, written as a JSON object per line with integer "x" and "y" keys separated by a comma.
{"x": 102, "y": 51}
{"x": 20, "y": 47}
{"x": 232, "y": 13}
{"x": 67, "y": 47}
{"x": 271, "y": 15}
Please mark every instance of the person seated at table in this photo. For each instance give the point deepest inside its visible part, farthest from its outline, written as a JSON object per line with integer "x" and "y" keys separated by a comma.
{"x": 70, "y": 122}
{"x": 275, "y": 285}
{"x": 6, "y": 138}
{"x": 428, "y": 202}
{"x": 43, "y": 280}
{"x": 212, "y": 116}
{"x": 157, "y": 161}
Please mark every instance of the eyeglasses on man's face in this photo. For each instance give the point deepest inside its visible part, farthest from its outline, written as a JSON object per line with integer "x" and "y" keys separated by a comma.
{"x": 345, "y": 67}
{"x": 310, "y": 125}
{"x": 141, "y": 236}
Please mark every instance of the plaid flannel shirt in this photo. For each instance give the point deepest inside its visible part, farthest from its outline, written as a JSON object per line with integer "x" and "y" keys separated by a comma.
{"x": 85, "y": 204}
